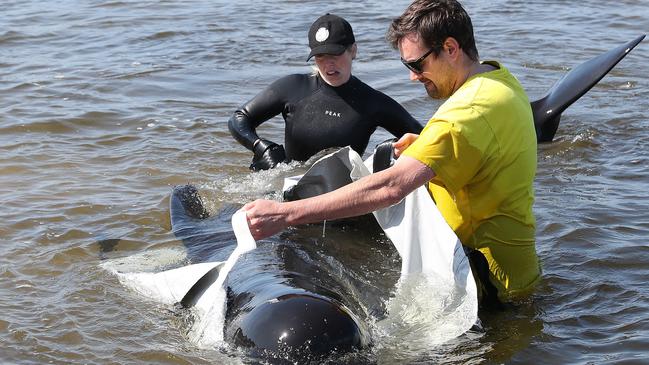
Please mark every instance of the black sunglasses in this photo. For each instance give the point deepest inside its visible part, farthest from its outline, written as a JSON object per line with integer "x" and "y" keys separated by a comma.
{"x": 416, "y": 65}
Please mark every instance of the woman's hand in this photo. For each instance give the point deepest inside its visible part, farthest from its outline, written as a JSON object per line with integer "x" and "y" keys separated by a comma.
{"x": 265, "y": 218}
{"x": 403, "y": 143}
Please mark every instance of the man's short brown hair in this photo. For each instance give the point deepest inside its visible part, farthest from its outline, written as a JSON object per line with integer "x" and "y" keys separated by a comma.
{"x": 434, "y": 21}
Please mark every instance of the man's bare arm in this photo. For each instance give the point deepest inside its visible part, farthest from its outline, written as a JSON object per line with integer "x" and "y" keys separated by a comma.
{"x": 366, "y": 195}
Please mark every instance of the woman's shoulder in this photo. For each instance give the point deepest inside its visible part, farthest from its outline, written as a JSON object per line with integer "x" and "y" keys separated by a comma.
{"x": 366, "y": 89}
{"x": 294, "y": 81}
{"x": 294, "y": 87}
{"x": 295, "y": 78}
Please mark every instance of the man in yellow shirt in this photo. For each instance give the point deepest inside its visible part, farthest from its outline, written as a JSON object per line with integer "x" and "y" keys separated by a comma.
{"x": 477, "y": 155}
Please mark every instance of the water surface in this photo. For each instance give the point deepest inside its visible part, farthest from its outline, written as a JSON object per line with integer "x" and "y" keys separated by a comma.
{"x": 105, "y": 106}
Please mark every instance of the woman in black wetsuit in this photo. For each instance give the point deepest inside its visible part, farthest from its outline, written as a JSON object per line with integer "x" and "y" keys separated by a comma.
{"x": 331, "y": 108}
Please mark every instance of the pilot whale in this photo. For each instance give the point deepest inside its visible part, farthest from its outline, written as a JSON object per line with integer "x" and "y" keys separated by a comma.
{"x": 282, "y": 299}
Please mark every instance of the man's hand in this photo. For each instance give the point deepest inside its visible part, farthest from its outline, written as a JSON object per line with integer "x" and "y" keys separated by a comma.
{"x": 403, "y": 143}
{"x": 265, "y": 218}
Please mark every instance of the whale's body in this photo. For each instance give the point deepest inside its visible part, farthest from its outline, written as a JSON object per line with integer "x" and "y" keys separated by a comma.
{"x": 282, "y": 297}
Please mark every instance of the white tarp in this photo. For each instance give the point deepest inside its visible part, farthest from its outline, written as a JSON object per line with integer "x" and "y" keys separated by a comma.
{"x": 212, "y": 304}
{"x": 170, "y": 286}
{"x": 436, "y": 299}
{"x": 436, "y": 291}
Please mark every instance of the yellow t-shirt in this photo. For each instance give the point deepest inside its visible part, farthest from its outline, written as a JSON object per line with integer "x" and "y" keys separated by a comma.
{"x": 481, "y": 144}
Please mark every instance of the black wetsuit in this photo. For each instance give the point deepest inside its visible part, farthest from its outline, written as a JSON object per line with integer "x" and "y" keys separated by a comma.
{"x": 319, "y": 116}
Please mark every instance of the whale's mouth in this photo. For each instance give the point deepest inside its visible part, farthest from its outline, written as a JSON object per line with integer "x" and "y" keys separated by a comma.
{"x": 300, "y": 324}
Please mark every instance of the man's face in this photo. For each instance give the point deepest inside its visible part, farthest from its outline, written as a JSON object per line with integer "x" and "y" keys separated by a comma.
{"x": 436, "y": 74}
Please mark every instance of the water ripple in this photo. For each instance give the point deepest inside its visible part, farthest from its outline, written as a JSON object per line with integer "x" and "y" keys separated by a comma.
{"x": 107, "y": 105}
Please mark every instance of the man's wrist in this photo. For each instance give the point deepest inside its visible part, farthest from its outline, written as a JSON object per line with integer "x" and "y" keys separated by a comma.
{"x": 291, "y": 216}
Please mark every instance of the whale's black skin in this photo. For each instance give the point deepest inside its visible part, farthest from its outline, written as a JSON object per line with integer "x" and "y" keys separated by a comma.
{"x": 325, "y": 176}
{"x": 299, "y": 322}
{"x": 547, "y": 110}
{"x": 290, "y": 297}
{"x": 200, "y": 286}
{"x": 280, "y": 298}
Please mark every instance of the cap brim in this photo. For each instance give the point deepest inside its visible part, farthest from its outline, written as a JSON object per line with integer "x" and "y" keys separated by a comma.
{"x": 335, "y": 49}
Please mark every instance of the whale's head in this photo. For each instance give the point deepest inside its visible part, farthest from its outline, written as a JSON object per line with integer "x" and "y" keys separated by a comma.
{"x": 303, "y": 324}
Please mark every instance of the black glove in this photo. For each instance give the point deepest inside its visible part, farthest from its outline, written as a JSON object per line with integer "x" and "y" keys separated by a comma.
{"x": 267, "y": 155}
{"x": 383, "y": 155}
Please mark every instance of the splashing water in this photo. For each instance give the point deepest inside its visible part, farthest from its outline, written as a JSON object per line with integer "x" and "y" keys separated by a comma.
{"x": 425, "y": 311}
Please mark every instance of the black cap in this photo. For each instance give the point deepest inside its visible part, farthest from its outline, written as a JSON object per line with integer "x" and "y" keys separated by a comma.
{"x": 330, "y": 34}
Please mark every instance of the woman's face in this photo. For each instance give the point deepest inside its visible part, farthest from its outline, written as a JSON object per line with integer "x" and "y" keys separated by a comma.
{"x": 336, "y": 70}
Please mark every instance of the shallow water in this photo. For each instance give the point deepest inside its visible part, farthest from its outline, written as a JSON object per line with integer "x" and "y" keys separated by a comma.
{"x": 107, "y": 105}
